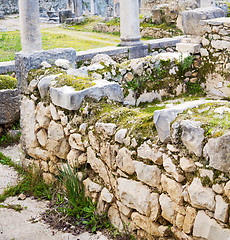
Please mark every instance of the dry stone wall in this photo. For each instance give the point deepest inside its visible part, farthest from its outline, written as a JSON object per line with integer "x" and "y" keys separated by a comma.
{"x": 157, "y": 171}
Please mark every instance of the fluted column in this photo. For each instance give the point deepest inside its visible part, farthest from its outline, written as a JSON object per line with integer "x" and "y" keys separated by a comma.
{"x": 30, "y": 25}
{"x": 78, "y": 10}
{"x": 129, "y": 23}
{"x": 94, "y": 7}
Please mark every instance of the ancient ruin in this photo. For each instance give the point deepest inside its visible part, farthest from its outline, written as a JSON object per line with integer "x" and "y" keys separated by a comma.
{"x": 147, "y": 129}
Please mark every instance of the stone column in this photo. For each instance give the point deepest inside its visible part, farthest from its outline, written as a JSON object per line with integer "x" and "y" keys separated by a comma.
{"x": 69, "y": 5}
{"x": 116, "y": 8}
{"x": 129, "y": 23}
{"x": 30, "y": 25}
{"x": 207, "y": 3}
{"x": 78, "y": 8}
{"x": 94, "y": 7}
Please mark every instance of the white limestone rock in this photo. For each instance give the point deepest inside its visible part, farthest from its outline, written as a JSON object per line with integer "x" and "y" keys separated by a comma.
{"x": 201, "y": 197}
{"x": 148, "y": 174}
{"x": 106, "y": 195}
{"x": 75, "y": 141}
{"x": 173, "y": 188}
{"x": 72, "y": 158}
{"x": 41, "y": 112}
{"x": 187, "y": 164}
{"x": 170, "y": 167}
{"x": 154, "y": 206}
{"x": 134, "y": 195}
{"x": 93, "y": 141}
{"x": 124, "y": 161}
{"x": 63, "y": 63}
{"x": 207, "y": 228}
{"x": 168, "y": 212}
{"x": 146, "y": 152}
{"x": 192, "y": 136}
{"x": 54, "y": 112}
{"x": 107, "y": 129}
{"x": 55, "y": 131}
{"x": 218, "y": 152}
{"x": 189, "y": 219}
{"x": 42, "y": 137}
{"x": 120, "y": 135}
{"x": 221, "y": 211}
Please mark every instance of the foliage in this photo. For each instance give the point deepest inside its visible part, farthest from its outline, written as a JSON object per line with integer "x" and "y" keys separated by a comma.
{"x": 78, "y": 83}
{"x": 7, "y": 82}
{"x": 31, "y": 182}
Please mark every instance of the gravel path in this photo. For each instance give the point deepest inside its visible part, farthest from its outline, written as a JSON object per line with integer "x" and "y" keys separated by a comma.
{"x": 27, "y": 224}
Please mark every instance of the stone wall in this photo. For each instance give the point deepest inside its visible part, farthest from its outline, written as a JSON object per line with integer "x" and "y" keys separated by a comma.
{"x": 152, "y": 168}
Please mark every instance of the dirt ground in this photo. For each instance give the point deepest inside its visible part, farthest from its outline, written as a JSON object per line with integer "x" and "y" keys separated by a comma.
{"x": 27, "y": 224}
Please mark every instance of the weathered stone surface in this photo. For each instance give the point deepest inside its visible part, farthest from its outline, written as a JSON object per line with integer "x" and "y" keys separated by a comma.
{"x": 154, "y": 206}
{"x": 146, "y": 152}
{"x": 173, "y": 188}
{"x": 187, "y": 164}
{"x": 70, "y": 99}
{"x": 170, "y": 167}
{"x": 48, "y": 178}
{"x": 208, "y": 228}
{"x": 188, "y": 48}
{"x": 124, "y": 161}
{"x": 55, "y": 131}
{"x": 189, "y": 219}
{"x": 28, "y": 139}
{"x": 54, "y": 112}
{"x": 227, "y": 189}
{"x": 124, "y": 210}
{"x": 72, "y": 158}
{"x": 167, "y": 208}
{"x": 191, "y": 19}
{"x": 201, "y": 197}
{"x": 148, "y": 174}
{"x": 75, "y": 141}
{"x": 134, "y": 195}
{"x": 107, "y": 129}
{"x": 63, "y": 63}
{"x": 44, "y": 166}
{"x": 41, "y": 115}
{"x": 146, "y": 224}
{"x": 108, "y": 154}
{"x": 42, "y": 137}
{"x": 39, "y": 153}
{"x": 93, "y": 141}
{"x": 217, "y": 188}
{"x": 180, "y": 220}
{"x": 120, "y": 135}
{"x": 106, "y": 195}
{"x": 59, "y": 148}
{"x": 180, "y": 234}
{"x": 218, "y": 152}
{"x": 192, "y": 136}
{"x": 9, "y": 106}
{"x": 45, "y": 84}
{"x": 221, "y": 211}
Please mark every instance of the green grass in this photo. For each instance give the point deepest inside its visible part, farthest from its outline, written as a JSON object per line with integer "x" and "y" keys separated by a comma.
{"x": 56, "y": 38}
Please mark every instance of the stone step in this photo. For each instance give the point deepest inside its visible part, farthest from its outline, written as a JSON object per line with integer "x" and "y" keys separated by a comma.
{"x": 188, "y": 48}
{"x": 194, "y": 40}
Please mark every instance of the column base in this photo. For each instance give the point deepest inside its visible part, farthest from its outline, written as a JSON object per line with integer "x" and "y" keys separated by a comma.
{"x": 130, "y": 43}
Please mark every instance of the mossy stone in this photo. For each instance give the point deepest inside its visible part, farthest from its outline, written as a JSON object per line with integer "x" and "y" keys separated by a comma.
{"x": 7, "y": 82}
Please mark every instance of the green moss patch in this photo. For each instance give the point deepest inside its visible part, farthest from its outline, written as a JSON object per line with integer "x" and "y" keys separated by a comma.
{"x": 78, "y": 83}
{"x": 7, "y": 82}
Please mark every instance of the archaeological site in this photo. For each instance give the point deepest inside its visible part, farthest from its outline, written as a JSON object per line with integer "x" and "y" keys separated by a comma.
{"x": 119, "y": 114}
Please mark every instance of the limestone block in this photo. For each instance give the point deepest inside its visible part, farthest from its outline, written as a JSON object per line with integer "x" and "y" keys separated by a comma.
{"x": 120, "y": 135}
{"x": 164, "y": 231}
{"x": 217, "y": 188}
{"x": 103, "y": 58}
{"x": 107, "y": 129}
{"x": 70, "y": 99}
{"x": 180, "y": 234}
{"x": 227, "y": 189}
{"x": 108, "y": 154}
{"x": 204, "y": 52}
{"x": 42, "y": 137}
{"x": 55, "y": 131}
{"x": 173, "y": 188}
{"x": 83, "y": 128}
{"x": 102, "y": 206}
{"x": 189, "y": 219}
{"x": 93, "y": 141}
{"x": 33, "y": 85}
{"x": 220, "y": 44}
{"x": 188, "y": 48}
{"x": 82, "y": 159}
{"x": 44, "y": 85}
{"x": 29, "y": 139}
{"x": 146, "y": 152}
{"x": 180, "y": 220}
{"x": 221, "y": 211}
{"x": 170, "y": 167}
{"x": 154, "y": 206}
{"x": 187, "y": 164}
{"x": 134, "y": 194}
{"x": 218, "y": 152}
{"x": 191, "y": 19}
{"x": 208, "y": 228}
{"x": 125, "y": 210}
{"x": 148, "y": 174}
{"x": 72, "y": 158}
{"x": 168, "y": 212}
{"x": 48, "y": 178}
{"x": 124, "y": 161}
{"x": 106, "y": 195}
{"x": 201, "y": 197}
{"x": 75, "y": 141}
{"x": 41, "y": 117}
{"x": 99, "y": 167}
{"x": 44, "y": 166}
{"x": 63, "y": 63}
{"x": 9, "y": 106}
{"x": 39, "y": 153}
{"x": 59, "y": 148}
{"x": 54, "y": 113}
{"x": 192, "y": 136}
{"x": 146, "y": 224}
